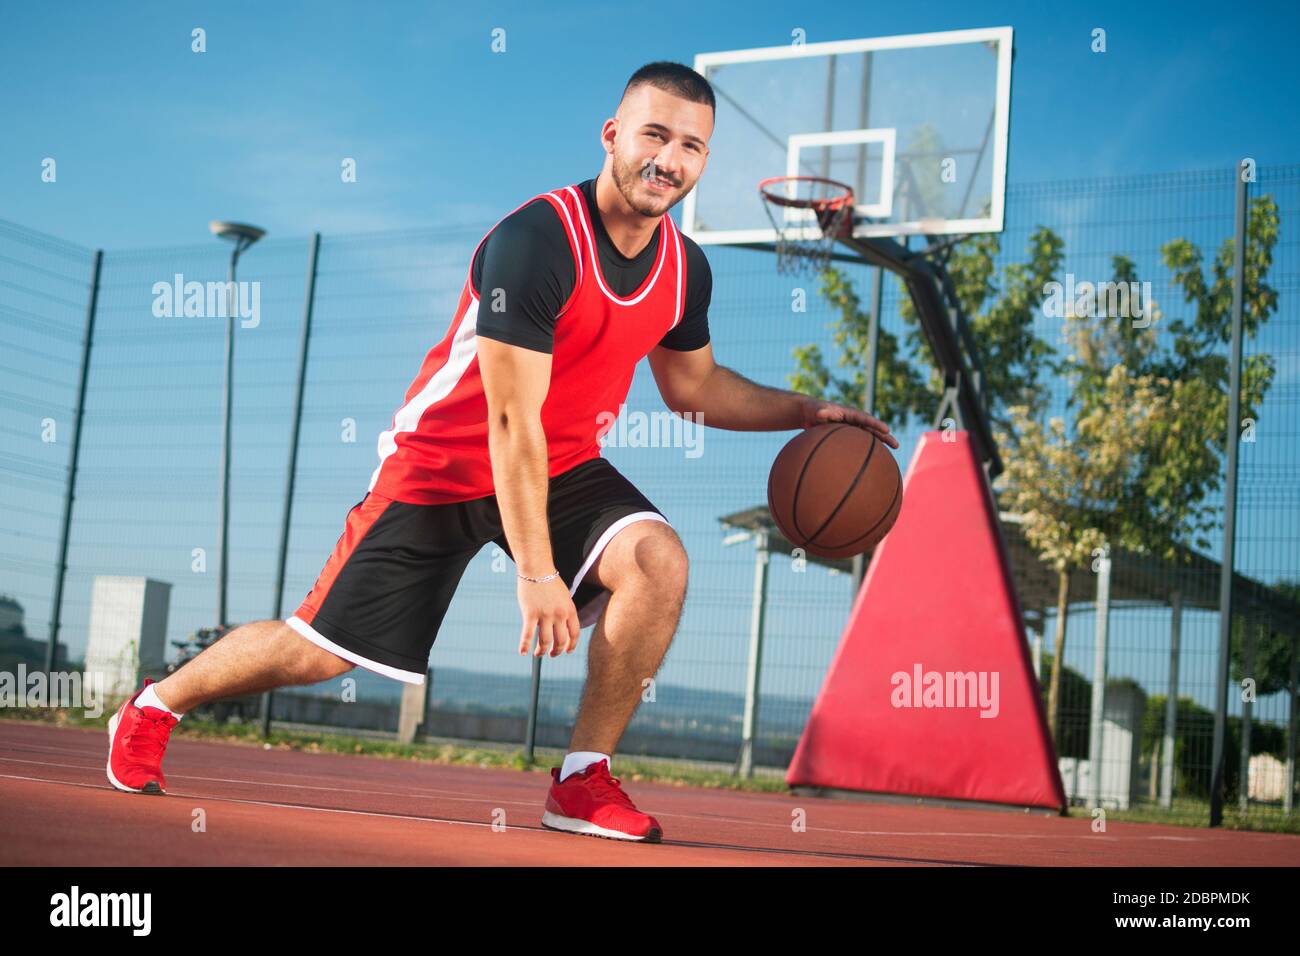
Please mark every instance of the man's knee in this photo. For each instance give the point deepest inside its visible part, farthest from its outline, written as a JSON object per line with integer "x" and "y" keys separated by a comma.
{"x": 311, "y": 662}
{"x": 328, "y": 666}
{"x": 656, "y": 556}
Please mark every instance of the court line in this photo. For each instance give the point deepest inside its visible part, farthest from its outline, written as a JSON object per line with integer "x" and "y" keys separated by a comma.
{"x": 496, "y": 827}
{"x": 446, "y": 794}
{"x": 263, "y": 803}
{"x": 467, "y": 797}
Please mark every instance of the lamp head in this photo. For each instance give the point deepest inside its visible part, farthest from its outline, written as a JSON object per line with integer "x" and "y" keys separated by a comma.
{"x": 236, "y": 231}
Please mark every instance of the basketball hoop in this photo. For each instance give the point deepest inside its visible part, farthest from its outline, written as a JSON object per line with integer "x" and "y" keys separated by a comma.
{"x": 814, "y": 212}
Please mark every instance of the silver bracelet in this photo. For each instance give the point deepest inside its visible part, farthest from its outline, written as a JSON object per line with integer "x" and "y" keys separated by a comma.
{"x": 524, "y": 577}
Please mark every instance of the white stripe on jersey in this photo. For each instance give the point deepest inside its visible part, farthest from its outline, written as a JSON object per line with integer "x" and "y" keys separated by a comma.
{"x": 464, "y": 347}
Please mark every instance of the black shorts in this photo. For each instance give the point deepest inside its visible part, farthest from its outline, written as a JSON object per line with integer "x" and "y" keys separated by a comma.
{"x": 384, "y": 591}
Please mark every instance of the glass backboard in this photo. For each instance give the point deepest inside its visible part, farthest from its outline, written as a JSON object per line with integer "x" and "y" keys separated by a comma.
{"x": 916, "y": 125}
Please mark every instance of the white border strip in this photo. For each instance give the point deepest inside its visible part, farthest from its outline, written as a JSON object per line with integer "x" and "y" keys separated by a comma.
{"x": 928, "y": 227}
{"x": 790, "y": 51}
{"x": 588, "y": 614}
{"x": 320, "y": 640}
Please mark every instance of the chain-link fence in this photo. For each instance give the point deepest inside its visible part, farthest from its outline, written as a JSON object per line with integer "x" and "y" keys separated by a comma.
{"x": 1162, "y": 627}
{"x": 148, "y": 487}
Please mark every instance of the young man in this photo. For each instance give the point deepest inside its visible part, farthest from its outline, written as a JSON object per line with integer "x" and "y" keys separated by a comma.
{"x": 498, "y": 441}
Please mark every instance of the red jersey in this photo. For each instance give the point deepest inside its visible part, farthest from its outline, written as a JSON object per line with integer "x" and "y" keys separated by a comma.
{"x": 436, "y": 451}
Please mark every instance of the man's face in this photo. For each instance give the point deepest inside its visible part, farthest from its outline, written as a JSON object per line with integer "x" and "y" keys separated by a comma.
{"x": 658, "y": 147}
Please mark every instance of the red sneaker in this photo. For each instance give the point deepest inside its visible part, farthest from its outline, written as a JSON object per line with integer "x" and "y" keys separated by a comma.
{"x": 137, "y": 737}
{"x": 591, "y": 803}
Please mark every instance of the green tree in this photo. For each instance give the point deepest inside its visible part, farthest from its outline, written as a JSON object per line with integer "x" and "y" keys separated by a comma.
{"x": 901, "y": 393}
{"x": 1171, "y": 495}
{"x": 1001, "y": 311}
{"x": 1144, "y": 486}
{"x": 1062, "y": 482}
{"x": 1272, "y": 651}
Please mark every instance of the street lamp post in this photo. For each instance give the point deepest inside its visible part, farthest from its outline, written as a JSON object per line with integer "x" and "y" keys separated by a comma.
{"x": 242, "y": 236}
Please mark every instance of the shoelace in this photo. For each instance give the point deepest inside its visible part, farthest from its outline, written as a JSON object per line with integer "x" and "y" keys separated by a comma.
{"x": 607, "y": 786}
{"x": 150, "y": 741}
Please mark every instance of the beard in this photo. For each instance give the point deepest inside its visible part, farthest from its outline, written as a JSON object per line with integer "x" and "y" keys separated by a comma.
{"x": 627, "y": 177}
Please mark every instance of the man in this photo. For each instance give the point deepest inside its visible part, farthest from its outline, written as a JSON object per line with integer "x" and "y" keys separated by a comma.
{"x": 498, "y": 441}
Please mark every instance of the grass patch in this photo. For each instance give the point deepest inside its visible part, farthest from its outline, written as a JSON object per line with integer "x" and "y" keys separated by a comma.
{"x": 1196, "y": 813}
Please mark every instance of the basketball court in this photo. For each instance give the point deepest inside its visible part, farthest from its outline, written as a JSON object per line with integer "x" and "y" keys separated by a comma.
{"x": 285, "y": 808}
{"x": 882, "y": 151}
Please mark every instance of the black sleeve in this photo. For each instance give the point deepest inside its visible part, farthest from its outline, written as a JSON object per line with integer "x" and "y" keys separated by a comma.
{"x": 524, "y": 274}
{"x": 692, "y": 332}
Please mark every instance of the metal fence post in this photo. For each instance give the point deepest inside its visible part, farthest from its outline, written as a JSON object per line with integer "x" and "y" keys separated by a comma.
{"x": 530, "y": 730}
{"x": 309, "y": 301}
{"x": 1247, "y": 712}
{"x": 1171, "y": 703}
{"x": 227, "y": 412}
{"x": 1288, "y": 802}
{"x": 1229, "y": 506}
{"x": 1097, "y": 724}
{"x": 758, "y": 616}
{"x": 61, "y": 568}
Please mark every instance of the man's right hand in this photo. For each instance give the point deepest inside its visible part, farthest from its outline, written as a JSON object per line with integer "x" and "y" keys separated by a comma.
{"x": 549, "y": 612}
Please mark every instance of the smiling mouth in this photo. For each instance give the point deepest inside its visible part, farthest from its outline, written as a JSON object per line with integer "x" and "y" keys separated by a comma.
{"x": 660, "y": 185}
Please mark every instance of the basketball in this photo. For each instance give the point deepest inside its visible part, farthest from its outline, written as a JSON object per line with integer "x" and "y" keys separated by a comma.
{"x": 834, "y": 490}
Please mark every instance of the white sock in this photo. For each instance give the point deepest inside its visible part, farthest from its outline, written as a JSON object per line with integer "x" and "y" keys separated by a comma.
{"x": 149, "y": 698}
{"x": 579, "y": 761}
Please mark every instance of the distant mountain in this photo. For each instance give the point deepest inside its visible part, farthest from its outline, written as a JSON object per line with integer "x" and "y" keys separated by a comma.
{"x": 680, "y": 709}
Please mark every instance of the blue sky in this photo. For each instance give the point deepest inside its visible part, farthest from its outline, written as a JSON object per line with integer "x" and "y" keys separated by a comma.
{"x": 153, "y": 140}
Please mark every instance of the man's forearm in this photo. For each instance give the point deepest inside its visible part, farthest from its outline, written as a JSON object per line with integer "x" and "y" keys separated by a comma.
{"x": 727, "y": 399}
{"x": 519, "y": 475}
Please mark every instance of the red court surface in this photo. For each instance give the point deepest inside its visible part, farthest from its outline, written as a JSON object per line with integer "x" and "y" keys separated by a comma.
{"x": 279, "y": 807}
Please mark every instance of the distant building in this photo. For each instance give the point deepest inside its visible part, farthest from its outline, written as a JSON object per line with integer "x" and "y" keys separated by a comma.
{"x": 1267, "y": 778}
{"x": 128, "y": 630}
{"x": 11, "y": 615}
{"x": 1121, "y": 733}
{"x": 16, "y": 647}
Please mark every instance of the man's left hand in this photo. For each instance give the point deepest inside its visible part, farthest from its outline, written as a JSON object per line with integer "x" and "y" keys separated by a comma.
{"x": 818, "y": 412}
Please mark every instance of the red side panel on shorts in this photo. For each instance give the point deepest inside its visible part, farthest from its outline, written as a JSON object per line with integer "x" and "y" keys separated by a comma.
{"x": 360, "y": 520}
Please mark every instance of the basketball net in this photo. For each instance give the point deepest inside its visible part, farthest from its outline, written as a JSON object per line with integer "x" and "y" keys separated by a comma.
{"x": 808, "y": 213}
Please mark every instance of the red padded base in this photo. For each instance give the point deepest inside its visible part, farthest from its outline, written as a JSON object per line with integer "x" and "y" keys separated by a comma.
{"x": 932, "y": 690}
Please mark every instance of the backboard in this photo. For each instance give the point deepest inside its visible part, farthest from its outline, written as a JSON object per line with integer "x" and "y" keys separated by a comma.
{"x": 916, "y": 125}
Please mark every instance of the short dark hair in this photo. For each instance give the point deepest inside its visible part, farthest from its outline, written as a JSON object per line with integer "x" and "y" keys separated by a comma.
{"x": 674, "y": 78}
